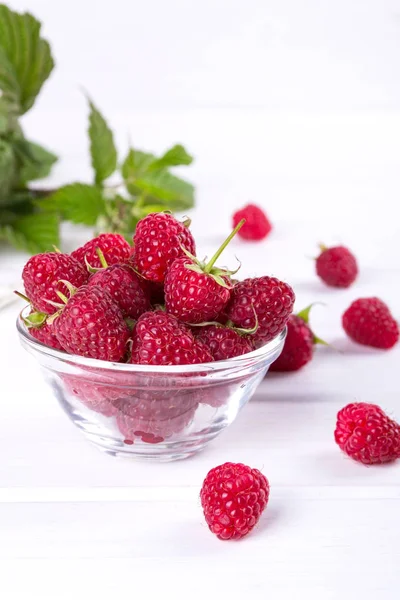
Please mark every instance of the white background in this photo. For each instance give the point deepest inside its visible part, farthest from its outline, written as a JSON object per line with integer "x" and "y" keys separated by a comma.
{"x": 294, "y": 105}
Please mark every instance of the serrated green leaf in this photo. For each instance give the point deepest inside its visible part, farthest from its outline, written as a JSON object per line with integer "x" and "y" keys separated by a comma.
{"x": 34, "y": 233}
{"x": 36, "y": 164}
{"x": 77, "y": 202}
{"x": 25, "y": 60}
{"x": 102, "y": 147}
{"x": 163, "y": 188}
{"x": 175, "y": 156}
{"x": 135, "y": 164}
{"x": 7, "y": 170}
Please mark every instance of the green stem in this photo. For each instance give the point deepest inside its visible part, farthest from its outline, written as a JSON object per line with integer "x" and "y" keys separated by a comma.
{"x": 102, "y": 258}
{"x": 22, "y": 296}
{"x": 210, "y": 264}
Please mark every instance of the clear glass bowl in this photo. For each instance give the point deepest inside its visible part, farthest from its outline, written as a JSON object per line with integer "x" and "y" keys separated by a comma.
{"x": 162, "y": 413}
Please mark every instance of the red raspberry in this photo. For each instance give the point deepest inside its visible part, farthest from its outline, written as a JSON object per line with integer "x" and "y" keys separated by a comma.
{"x": 299, "y": 344}
{"x": 158, "y": 240}
{"x": 337, "y": 266}
{"x": 368, "y": 321}
{"x": 191, "y": 296}
{"x": 195, "y": 291}
{"x": 270, "y": 299}
{"x": 42, "y": 274}
{"x": 114, "y": 247}
{"x": 92, "y": 325}
{"x": 233, "y": 497}
{"x": 159, "y": 339}
{"x": 45, "y": 335}
{"x": 257, "y": 225}
{"x": 125, "y": 287}
{"x": 93, "y": 395}
{"x": 156, "y": 415}
{"x": 224, "y": 342}
{"x": 367, "y": 434}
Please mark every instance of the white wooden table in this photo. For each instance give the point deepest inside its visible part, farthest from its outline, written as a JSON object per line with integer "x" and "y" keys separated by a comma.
{"x": 75, "y": 523}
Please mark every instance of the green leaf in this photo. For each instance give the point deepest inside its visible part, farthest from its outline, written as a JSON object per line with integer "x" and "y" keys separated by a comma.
{"x": 25, "y": 60}
{"x": 135, "y": 164}
{"x": 160, "y": 187}
{"x": 7, "y": 170}
{"x": 77, "y": 202}
{"x": 36, "y": 164}
{"x": 34, "y": 233}
{"x": 175, "y": 156}
{"x": 102, "y": 148}
{"x": 8, "y": 114}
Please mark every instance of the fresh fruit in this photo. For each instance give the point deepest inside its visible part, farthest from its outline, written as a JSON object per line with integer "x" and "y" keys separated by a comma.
{"x": 224, "y": 342}
{"x": 369, "y": 321}
{"x": 41, "y": 330}
{"x": 257, "y": 225}
{"x": 263, "y": 299}
{"x": 42, "y": 277}
{"x": 233, "y": 496}
{"x": 367, "y": 434}
{"x": 124, "y": 286}
{"x": 93, "y": 395}
{"x": 336, "y": 266}
{"x": 114, "y": 247}
{"x": 195, "y": 291}
{"x": 299, "y": 344}
{"x": 160, "y": 339}
{"x": 92, "y": 325}
{"x": 156, "y": 414}
{"x": 159, "y": 239}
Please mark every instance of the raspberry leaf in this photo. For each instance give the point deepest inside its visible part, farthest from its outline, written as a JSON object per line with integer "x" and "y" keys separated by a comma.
{"x": 36, "y": 164}
{"x": 34, "y": 233}
{"x": 25, "y": 57}
{"x": 102, "y": 147}
{"x": 77, "y": 202}
{"x": 175, "y": 156}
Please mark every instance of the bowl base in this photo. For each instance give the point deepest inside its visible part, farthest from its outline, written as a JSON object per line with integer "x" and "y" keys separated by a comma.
{"x": 162, "y": 452}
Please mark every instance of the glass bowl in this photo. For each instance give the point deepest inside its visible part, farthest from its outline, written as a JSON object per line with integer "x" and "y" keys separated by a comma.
{"x": 162, "y": 413}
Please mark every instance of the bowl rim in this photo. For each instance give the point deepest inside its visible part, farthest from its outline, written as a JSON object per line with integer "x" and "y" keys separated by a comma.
{"x": 258, "y": 355}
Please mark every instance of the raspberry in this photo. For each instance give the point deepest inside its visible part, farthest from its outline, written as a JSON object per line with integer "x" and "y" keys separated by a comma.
{"x": 257, "y": 225}
{"x": 45, "y": 335}
{"x": 268, "y": 298}
{"x": 92, "y": 325}
{"x": 156, "y": 415}
{"x": 337, "y": 266}
{"x": 94, "y": 396}
{"x": 368, "y": 321}
{"x": 224, "y": 342}
{"x": 195, "y": 291}
{"x": 233, "y": 497}
{"x": 42, "y": 274}
{"x": 367, "y": 434}
{"x": 114, "y": 247}
{"x": 158, "y": 241}
{"x": 299, "y": 344}
{"x": 159, "y": 339}
{"x": 125, "y": 287}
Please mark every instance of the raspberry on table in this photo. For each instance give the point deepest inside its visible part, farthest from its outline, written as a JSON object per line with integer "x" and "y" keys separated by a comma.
{"x": 368, "y": 321}
{"x": 337, "y": 266}
{"x": 257, "y": 225}
{"x": 233, "y": 496}
{"x": 366, "y": 434}
{"x": 114, "y": 247}
{"x": 42, "y": 277}
{"x": 158, "y": 241}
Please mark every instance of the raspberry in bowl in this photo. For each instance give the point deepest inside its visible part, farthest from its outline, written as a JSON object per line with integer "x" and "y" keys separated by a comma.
{"x": 145, "y": 411}
{"x": 150, "y": 351}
